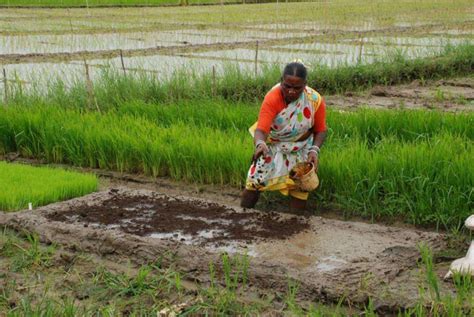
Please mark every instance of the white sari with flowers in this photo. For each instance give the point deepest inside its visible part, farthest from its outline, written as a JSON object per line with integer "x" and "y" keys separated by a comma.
{"x": 270, "y": 172}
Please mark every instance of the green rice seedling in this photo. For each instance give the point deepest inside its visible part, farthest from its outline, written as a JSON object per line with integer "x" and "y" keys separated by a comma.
{"x": 458, "y": 304}
{"x": 431, "y": 278}
{"x": 29, "y": 256}
{"x": 464, "y": 284}
{"x": 23, "y": 184}
{"x": 409, "y": 176}
{"x": 290, "y": 298}
{"x": 226, "y": 300}
{"x": 45, "y": 307}
{"x": 369, "y": 309}
{"x": 235, "y": 271}
{"x": 399, "y": 165}
{"x": 378, "y": 164}
{"x": 212, "y": 277}
{"x": 440, "y": 95}
{"x": 178, "y": 282}
{"x": 404, "y": 125}
{"x": 294, "y": 308}
{"x": 122, "y": 285}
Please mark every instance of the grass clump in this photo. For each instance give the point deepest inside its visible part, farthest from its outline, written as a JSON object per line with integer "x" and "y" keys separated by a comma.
{"x": 26, "y": 254}
{"x": 23, "y": 184}
{"x": 435, "y": 303}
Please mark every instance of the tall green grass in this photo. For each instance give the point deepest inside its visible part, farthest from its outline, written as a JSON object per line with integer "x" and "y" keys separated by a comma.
{"x": 412, "y": 165}
{"x": 234, "y": 84}
{"x": 367, "y": 124}
{"x": 126, "y": 143}
{"x": 430, "y": 181}
{"x": 21, "y": 184}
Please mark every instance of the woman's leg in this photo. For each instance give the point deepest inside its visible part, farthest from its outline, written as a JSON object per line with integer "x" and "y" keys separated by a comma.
{"x": 249, "y": 198}
{"x": 297, "y": 205}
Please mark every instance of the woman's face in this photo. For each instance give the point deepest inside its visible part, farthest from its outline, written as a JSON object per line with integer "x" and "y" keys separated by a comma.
{"x": 292, "y": 87}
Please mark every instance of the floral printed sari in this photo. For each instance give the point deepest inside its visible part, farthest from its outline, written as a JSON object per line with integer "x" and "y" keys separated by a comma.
{"x": 270, "y": 172}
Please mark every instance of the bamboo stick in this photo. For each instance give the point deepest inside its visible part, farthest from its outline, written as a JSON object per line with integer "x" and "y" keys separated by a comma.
{"x": 123, "y": 64}
{"x": 90, "y": 89}
{"x": 361, "y": 45}
{"x": 214, "y": 89}
{"x": 5, "y": 84}
{"x": 256, "y": 59}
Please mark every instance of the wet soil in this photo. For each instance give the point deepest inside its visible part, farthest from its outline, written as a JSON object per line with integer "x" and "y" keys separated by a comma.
{"x": 330, "y": 259}
{"x": 447, "y": 95}
{"x": 205, "y": 222}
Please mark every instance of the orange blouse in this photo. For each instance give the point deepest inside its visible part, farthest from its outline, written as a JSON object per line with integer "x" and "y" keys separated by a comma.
{"x": 274, "y": 102}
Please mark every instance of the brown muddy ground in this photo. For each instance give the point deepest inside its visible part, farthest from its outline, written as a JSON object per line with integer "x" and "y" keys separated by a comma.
{"x": 447, "y": 95}
{"x": 198, "y": 222}
{"x": 331, "y": 259}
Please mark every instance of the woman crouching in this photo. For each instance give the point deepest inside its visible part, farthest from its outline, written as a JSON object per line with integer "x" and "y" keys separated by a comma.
{"x": 291, "y": 128}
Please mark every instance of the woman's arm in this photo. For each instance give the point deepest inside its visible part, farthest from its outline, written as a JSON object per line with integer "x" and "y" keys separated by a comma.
{"x": 259, "y": 140}
{"x": 319, "y": 138}
{"x": 319, "y": 134}
{"x": 313, "y": 154}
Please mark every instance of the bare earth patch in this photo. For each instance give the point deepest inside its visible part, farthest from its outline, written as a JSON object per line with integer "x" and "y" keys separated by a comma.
{"x": 329, "y": 258}
{"x": 448, "y": 94}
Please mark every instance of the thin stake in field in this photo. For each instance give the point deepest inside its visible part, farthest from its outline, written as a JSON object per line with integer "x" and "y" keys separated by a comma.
{"x": 361, "y": 46}
{"x": 256, "y": 59}
{"x": 90, "y": 88}
{"x": 214, "y": 92}
{"x": 5, "y": 84}
{"x": 123, "y": 64}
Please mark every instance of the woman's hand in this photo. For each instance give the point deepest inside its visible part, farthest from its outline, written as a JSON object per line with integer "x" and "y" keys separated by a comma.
{"x": 260, "y": 149}
{"x": 313, "y": 158}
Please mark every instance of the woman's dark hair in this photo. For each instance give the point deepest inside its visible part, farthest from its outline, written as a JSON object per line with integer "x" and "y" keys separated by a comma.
{"x": 295, "y": 69}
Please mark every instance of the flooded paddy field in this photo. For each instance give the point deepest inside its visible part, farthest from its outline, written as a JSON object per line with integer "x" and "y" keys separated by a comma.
{"x": 330, "y": 258}
{"x": 170, "y": 39}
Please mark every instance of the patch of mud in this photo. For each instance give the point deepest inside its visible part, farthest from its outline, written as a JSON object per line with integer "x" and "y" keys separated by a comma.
{"x": 447, "y": 95}
{"x": 179, "y": 219}
{"x": 330, "y": 259}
